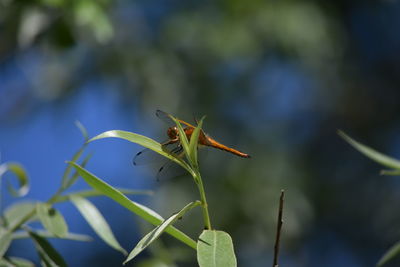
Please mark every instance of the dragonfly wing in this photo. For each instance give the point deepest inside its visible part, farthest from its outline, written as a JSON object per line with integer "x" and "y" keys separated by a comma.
{"x": 148, "y": 156}
{"x": 164, "y": 116}
{"x": 170, "y": 170}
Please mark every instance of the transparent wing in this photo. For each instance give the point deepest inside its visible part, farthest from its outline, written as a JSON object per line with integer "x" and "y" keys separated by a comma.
{"x": 170, "y": 170}
{"x": 148, "y": 156}
{"x": 164, "y": 116}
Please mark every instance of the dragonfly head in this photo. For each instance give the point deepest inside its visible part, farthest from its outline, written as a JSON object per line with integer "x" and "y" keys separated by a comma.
{"x": 172, "y": 132}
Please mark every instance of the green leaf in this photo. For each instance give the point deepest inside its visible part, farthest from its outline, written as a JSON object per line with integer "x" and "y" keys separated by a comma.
{"x": 156, "y": 232}
{"x": 182, "y": 138}
{"x": 83, "y": 130}
{"x": 390, "y": 254}
{"x": 47, "y": 253}
{"x": 65, "y": 181}
{"x": 96, "y": 193}
{"x": 21, "y": 175}
{"x": 96, "y": 221}
{"x": 214, "y": 249}
{"x": 143, "y": 141}
{"x": 5, "y": 263}
{"x": 16, "y": 262}
{"x": 75, "y": 176}
{"x": 142, "y": 211}
{"x": 194, "y": 140}
{"x": 371, "y": 153}
{"x": 46, "y": 234}
{"x": 390, "y": 172}
{"x": 17, "y": 211}
{"x": 5, "y": 241}
{"x": 52, "y": 219}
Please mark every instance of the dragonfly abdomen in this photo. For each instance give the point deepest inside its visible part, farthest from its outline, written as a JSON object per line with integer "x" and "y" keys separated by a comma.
{"x": 211, "y": 142}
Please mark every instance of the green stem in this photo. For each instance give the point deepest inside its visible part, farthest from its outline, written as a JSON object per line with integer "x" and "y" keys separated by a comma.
{"x": 204, "y": 205}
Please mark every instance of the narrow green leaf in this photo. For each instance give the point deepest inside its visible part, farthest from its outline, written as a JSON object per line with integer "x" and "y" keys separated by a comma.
{"x": 19, "y": 171}
{"x": 182, "y": 138}
{"x": 142, "y": 211}
{"x": 93, "y": 216}
{"x": 156, "y": 232}
{"x": 194, "y": 140}
{"x": 66, "y": 175}
{"x": 16, "y": 262}
{"x": 83, "y": 130}
{"x": 96, "y": 193}
{"x": 75, "y": 176}
{"x": 5, "y": 241}
{"x": 371, "y": 153}
{"x": 45, "y": 260}
{"x": 46, "y": 234}
{"x": 390, "y": 172}
{"x": 6, "y": 263}
{"x": 214, "y": 249}
{"x": 143, "y": 141}
{"x": 393, "y": 252}
{"x": 14, "y": 213}
{"x": 46, "y": 251}
{"x": 52, "y": 219}
{"x": 66, "y": 180}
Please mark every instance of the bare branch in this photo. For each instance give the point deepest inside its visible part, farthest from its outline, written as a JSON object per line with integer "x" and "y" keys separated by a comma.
{"x": 278, "y": 230}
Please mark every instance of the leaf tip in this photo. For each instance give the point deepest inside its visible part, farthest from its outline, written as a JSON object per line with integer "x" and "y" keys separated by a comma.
{"x": 72, "y": 163}
{"x": 82, "y": 129}
{"x": 123, "y": 251}
{"x": 341, "y": 133}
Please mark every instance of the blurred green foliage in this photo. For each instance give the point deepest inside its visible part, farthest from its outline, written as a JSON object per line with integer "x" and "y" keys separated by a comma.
{"x": 276, "y": 79}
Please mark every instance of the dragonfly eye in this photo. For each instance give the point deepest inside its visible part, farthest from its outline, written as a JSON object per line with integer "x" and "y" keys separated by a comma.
{"x": 172, "y": 132}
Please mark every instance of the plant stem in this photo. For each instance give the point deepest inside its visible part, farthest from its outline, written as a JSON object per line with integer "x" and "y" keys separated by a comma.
{"x": 279, "y": 229}
{"x": 204, "y": 205}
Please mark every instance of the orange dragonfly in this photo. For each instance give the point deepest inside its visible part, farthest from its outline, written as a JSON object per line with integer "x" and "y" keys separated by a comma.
{"x": 174, "y": 141}
{"x": 204, "y": 139}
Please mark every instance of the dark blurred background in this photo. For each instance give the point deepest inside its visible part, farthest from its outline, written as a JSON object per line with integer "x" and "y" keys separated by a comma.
{"x": 276, "y": 79}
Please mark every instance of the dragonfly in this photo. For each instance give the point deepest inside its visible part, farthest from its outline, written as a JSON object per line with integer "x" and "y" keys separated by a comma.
{"x": 173, "y": 144}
